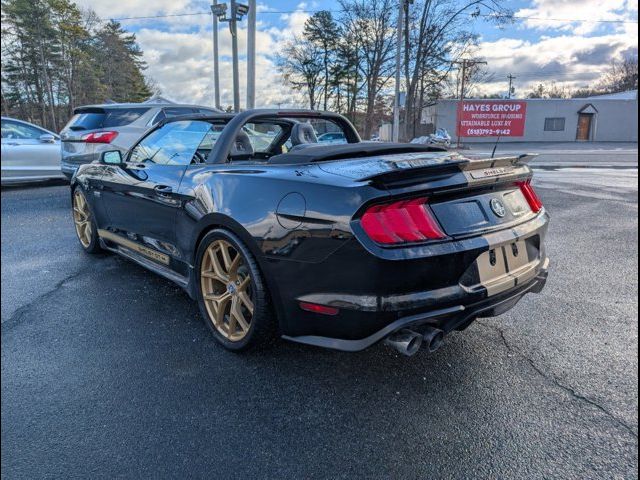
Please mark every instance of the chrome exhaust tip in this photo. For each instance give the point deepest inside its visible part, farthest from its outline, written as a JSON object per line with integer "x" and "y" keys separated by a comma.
{"x": 433, "y": 338}
{"x": 407, "y": 342}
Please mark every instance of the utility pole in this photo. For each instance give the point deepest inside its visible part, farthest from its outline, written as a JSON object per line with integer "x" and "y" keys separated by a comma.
{"x": 465, "y": 64}
{"x": 251, "y": 55}
{"x": 396, "y": 102}
{"x": 216, "y": 65}
{"x": 238, "y": 10}
{"x": 511, "y": 79}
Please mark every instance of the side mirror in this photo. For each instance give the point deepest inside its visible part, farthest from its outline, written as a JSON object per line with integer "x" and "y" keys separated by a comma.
{"x": 112, "y": 157}
{"x": 47, "y": 138}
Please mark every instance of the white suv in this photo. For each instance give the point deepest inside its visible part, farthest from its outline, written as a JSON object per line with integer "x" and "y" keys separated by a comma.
{"x": 113, "y": 126}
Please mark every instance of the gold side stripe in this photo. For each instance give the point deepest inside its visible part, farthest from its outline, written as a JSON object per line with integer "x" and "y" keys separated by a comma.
{"x": 130, "y": 244}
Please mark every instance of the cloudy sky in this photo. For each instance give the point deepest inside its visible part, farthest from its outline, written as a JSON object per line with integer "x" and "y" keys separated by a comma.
{"x": 554, "y": 40}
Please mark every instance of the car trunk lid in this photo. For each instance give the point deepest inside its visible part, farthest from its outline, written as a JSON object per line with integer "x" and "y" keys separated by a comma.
{"x": 466, "y": 196}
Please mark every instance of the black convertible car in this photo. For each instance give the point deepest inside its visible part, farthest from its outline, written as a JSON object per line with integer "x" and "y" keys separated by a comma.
{"x": 339, "y": 245}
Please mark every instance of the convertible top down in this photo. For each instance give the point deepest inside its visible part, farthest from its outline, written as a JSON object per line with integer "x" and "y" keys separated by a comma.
{"x": 334, "y": 245}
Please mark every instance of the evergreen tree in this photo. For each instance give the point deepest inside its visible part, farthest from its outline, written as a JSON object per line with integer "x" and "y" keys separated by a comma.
{"x": 119, "y": 59}
{"x": 55, "y": 58}
{"x": 322, "y": 30}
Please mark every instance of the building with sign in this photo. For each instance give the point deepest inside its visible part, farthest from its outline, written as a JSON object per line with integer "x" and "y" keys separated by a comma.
{"x": 606, "y": 118}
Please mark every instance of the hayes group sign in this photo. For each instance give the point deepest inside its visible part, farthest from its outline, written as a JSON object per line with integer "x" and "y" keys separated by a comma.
{"x": 491, "y": 118}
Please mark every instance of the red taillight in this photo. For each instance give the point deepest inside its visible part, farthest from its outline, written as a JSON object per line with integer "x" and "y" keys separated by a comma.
{"x": 99, "y": 137}
{"x": 401, "y": 222}
{"x": 316, "y": 308}
{"x": 531, "y": 196}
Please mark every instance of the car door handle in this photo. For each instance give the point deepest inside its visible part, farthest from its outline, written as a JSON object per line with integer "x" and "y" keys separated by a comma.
{"x": 136, "y": 166}
{"x": 163, "y": 190}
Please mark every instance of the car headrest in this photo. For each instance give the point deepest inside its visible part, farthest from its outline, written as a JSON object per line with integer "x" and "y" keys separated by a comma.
{"x": 241, "y": 147}
{"x": 303, "y": 133}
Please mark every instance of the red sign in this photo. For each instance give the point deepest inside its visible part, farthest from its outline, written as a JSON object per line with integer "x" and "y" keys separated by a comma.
{"x": 491, "y": 118}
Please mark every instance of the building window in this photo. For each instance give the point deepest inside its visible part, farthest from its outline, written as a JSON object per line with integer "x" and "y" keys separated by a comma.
{"x": 554, "y": 124}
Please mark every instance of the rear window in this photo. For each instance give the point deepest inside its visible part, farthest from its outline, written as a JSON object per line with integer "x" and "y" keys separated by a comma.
{"x": 105, "y": 118}
{"x": 177, "y": 111}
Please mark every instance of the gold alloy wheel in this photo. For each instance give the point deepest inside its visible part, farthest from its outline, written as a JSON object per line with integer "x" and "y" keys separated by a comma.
{"x": 82, "y": 218}
{"x": 225, "y": 282}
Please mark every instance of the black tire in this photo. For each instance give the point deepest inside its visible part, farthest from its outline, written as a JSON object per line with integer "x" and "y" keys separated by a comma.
{"x": 262, "y": 327}
{"x": 90, "y": 243}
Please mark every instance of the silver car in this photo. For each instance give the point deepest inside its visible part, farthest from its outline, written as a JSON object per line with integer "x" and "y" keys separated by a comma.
{"x": 113, "y": 126}
{"x": 29, "y": 153}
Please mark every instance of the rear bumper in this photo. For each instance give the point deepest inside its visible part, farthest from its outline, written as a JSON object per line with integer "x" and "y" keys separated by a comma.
{"x": 69, "y": 169}
{"x": 456, "y": 317}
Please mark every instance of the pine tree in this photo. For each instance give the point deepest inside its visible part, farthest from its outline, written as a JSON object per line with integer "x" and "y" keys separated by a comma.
{"x": 120, "y": 61}
{"x": 55, "y": 58}
{"x": 322, "y": 30}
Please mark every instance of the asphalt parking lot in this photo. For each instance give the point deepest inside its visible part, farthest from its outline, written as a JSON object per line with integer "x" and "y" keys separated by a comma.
{"x": 108, "y": 370}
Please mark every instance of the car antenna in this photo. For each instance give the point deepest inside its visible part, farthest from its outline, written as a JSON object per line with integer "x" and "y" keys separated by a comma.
{"x": 495, "y": 146}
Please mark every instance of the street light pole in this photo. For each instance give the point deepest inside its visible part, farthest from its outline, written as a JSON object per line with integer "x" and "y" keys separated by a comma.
{"x": 251, "y": 55}
{"x": 233, "y": 27}
{"x": 238, "y": 10}
{"x": 216, "y": 66}
{"x": 396, "y": 101}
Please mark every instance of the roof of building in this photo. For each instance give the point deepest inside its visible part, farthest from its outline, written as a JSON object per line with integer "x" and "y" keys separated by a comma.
{"x": 628, "y": 95}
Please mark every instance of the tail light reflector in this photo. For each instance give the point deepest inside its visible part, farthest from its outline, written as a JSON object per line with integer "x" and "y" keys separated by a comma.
{"x": 401, "y": 222}
{"x": 99, "y": 137}
{"x": 316, "y": 308}
{"x": 530, "y": 195}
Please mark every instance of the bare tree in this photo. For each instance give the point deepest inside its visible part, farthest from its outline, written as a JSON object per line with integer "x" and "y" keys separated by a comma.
{"x": 370, "y": 23}
{"x": 302, "y": 66}
{"x": 435, "y": 37}
{"x": 621, "y": 76}
{"x": 550, "y": 90}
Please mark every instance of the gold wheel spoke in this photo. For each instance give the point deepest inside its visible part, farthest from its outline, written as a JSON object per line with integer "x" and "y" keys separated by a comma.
{"x": 233, "y": 321}
{"x": 217, "y": 268}
{"x": 236, "y": 314}
{"x": 226, "y": 258}
{"x": 244, "y": 298}
{"x": 210, "y": 274}
{"x": 242, "y": 287}
{"x": 219, "y": 297}
{"x": 219, "y": 309}
{"x": 233, "y": 268}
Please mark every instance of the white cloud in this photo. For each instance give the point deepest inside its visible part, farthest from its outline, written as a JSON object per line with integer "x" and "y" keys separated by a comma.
{"x": 128, "y": 8}
{"x": 572, "y": 60}
{"x": 178, "y": 50}
{"x": 576, "y": 16}
{"x": 181, "y": 63}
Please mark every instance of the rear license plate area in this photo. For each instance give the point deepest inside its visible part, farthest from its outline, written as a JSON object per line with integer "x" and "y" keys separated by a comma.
{"x": 503, "y": 267}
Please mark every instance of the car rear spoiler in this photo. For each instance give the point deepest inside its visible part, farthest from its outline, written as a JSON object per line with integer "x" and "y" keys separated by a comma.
{"x": 413, "y": 172}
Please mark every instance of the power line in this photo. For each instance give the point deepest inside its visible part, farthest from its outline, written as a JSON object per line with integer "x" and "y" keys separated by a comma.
{"x": 283, "y": 12}
{"x": 209, "y": 13}
{"x": 567, "y": 20}
{"x": 160, "y": 16}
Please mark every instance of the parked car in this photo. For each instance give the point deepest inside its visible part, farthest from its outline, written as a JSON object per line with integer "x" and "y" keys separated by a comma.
{"x": 332, "y": 137}
{"x": 440, "y": 138}
{"x": 97, "y": 128}
{"x": 29, "y": 153}
{"x": 338, "y": 246}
